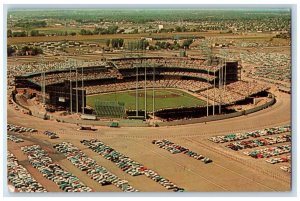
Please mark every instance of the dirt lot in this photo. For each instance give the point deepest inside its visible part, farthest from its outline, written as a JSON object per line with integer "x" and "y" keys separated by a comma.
{"x": 230, "y": 170}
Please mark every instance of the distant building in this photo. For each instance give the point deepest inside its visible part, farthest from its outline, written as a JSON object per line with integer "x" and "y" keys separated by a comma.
{"x": 126, "y": 31}
{"x": 160, "y": 26}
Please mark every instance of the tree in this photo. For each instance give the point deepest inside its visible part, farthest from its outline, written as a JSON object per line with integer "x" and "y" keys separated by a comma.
{"x": 24, "y": 49}
{"x": 85, "y": 32}
{"x": 178, "y": 29}
{"x": 114, "y": 43}
{"x": 10, "y": 50}
{"x": 9, "y": 33}
{"x": 135, "y": 31}
{"x": 34, "y": 33}
{"x": 158, "y": 44}
{"x": 73, "y": 33}
{"x": 112, "y": 29}
{"x": 117, "y": 42}
{"x": 19, "y": 34}
{"x": 151, "y": 47}
{"x": 82, "y": 32}
{"x": 176, "y": 46}
{"x": 107, "y": 42}
{"x": 121, "y": 42}
{"x": 187, "y": 43}
{"x": 36, "y": 51}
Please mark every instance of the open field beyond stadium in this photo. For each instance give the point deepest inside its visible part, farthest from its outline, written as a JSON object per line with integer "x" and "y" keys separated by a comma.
{"x": 164, "y": 98}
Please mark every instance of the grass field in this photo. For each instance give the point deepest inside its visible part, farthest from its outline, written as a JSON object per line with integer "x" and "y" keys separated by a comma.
{"x": 164, "y": 98}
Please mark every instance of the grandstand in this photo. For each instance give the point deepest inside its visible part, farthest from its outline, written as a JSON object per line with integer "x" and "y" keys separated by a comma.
{"x": 67, "y": 88}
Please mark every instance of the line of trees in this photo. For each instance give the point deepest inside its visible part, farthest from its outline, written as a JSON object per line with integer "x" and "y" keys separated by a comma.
{"x": 115, "y": 43}
{"x": 23, "y": 51}
{"x": 175, "y": 46}
{"x": 10, "y": 33}
{"x": 138, "y": 45}
{"x": 37, "y": 24}
{"x": 100, "y": 31}
{"x": 36, "y": 33}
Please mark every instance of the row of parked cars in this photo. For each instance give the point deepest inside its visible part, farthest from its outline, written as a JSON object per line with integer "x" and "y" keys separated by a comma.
{"x": 51, "y": 135}
{"x": 269, "y": 152}
{"x": 66, "y": 181}
{"x": 175, "y": 149}
{"x": 14, "y": 138}
{"x": 127, "y": 164}
{"x": 20, "y": 178}
{"x": 281, "y": 159}
{"x": 244, "y": 144}
{"x": 96, "y": 172}
{"x": 246, "y": 135}
{"x": 19, "y": 129}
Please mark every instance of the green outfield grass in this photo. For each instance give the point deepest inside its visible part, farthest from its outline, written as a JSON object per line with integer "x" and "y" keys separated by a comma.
{"x": 164, "y": 98}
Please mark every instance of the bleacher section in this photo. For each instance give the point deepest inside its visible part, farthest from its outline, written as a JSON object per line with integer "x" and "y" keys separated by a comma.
{"x": 234, "y": 92}
{"x": 190, "y": 85}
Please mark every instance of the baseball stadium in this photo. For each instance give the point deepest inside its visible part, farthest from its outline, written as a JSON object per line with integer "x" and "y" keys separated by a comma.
{"x": 157, "y": 88}
{"x": 104, "y": 104}
{"x": 115, "y": 104}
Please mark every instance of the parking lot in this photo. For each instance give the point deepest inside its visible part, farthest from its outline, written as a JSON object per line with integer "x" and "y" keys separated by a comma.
{"x": 230, "y": 170}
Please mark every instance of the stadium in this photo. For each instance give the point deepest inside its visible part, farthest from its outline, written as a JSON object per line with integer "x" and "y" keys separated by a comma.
{"x": 162, "y": 88}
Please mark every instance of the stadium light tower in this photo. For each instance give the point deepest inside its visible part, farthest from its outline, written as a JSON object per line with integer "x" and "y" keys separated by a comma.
{"x": 224, "y": 54}
{"x": 70, "y": 66}
{"x": 220, "y": 92}
{"x": 145, "y": 84}
{"x": 207, "y": 113}
{"x": 214, "y": 90}
{"x": 43, "y": 81}
{"x": 131, "y": 46}
{"x": 136, "y": 84}
{"x": 206, "y": 53}
{"x": 136, "y": 90}
{"x": 82, "y": 89}
{"x": 153, "y": 94}
{"x": 76, "y": 86}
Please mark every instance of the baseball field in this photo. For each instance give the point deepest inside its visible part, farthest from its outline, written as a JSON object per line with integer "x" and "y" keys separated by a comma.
{"x": 163, "y": 98}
